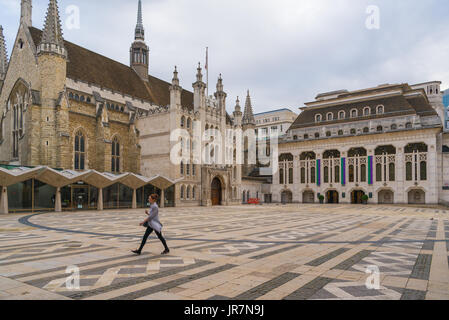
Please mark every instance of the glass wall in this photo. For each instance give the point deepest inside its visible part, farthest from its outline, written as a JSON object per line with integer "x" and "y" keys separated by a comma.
{"x": 20, "y": 197}
{"x": 31, "y": 196}
{"x": 79, "y": 196}
{"x": 117, "y": 196}
{"x": 145, "y": 192}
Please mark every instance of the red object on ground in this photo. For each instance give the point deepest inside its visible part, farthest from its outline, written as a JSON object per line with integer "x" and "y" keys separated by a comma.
{"x": 253, "y": 201}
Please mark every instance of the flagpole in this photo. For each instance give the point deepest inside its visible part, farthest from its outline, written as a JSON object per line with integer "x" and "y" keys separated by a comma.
{"x": 207, "y": 70}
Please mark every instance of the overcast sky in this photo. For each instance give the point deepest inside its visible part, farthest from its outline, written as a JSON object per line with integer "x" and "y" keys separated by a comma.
{"x": 285, "y": 51}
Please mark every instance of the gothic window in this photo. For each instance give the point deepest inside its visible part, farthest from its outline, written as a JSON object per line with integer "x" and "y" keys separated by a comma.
{"x": 363, "y": 173}
{"x": 295, "y": 137}
{"x": 394, "y": 127}
{"x": 380, "y": 129}
{"x": 115, "y": 163}
{"x": 82, "y": 98}
{"x": 183, "y": 120}
{"x": 391, "y": 170}
{"x": 189, "y": 123}
{"x": 351, "y": 173}
{"x": 71, "y": 95}
{"x": 88, "y": 100}
{"x": 188, "y": 193}
{"x": 326, "y": 174}
{"x": 366, "y": 130}
{"x": 193, "y": 170}
{"x": 77, "y": 97}
{"x": 281, "y": 176}
{"x": 193, "y": 193}
{"x": 183, "y": 190}
{"x": 313, "y": 175}
{"x": 17, "y": 128}
{"x": 337, "y": 174}
{"x": 379, "y": 172}
{"x": 188, "y": 169}
{"x": 182, "y": 168}
{"x": 408, "y": 125}
{"x": 340, "y": 132}
{"x": 423, "y": 170}
{"x": 80, "y": 151}
{"x": 409, "y": 171}
{"x": 303, "y": 175}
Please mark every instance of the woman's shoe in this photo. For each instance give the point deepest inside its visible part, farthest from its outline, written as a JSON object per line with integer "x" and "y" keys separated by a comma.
{"x": 136, "y": 252}
{"x": 165, "y": 252}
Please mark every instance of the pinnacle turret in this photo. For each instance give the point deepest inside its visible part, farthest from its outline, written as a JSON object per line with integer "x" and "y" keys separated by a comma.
{"x": 248, "y": 116}
{"x": 3, "y": 55}
{"x": 52, "y": 40}
{"x": 199, "y": 75}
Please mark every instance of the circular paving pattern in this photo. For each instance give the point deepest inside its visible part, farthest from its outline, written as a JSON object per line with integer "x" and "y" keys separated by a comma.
{"x": 245, "y": 252}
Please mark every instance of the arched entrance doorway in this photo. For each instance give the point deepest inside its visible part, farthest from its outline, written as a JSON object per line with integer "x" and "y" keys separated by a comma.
{"x": 287, "y": 196}
{"x": 308, "y": 197}
{"x": 356, "y": 196}
{"x": 416, "y": 196}
{"x": 386, "y": 197}
{"x": 332, "y": 196}
{"x": 216, "y": 192}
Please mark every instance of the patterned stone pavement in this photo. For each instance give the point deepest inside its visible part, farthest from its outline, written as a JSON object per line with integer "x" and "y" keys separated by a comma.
{"x": 274, "y": 252}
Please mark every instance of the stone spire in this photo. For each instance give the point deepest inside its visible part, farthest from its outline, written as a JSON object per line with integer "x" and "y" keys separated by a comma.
{"x": 26, "y": 12}
{"x": 237, "y": 106}
{"x": 199, "y": 75}
{"x": 140, "y": 31}
{"x": 248, "y": 116}
{"x": 175, "y": 80}
{"x": 220, "y": 84}
{"x": 52, "y": 40}
{"x": 3, "y": 55}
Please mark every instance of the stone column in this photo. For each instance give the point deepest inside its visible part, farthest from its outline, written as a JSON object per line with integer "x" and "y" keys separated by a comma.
{"x": 134, "y": 205}
{"x": 400, "y": 196}
{"x": 4, "y": 202}
{"x": 58, "y": 207}
{"x": 100, "y": 199}
{"x": 162, "y": 198}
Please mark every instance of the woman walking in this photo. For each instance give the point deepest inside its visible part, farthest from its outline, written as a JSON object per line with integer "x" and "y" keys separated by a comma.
{"x": 152, "y": 223}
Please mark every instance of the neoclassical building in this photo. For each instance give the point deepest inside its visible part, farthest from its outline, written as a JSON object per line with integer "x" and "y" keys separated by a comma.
{"x": 67, "y": 108}
{"x": 385, "y": 142}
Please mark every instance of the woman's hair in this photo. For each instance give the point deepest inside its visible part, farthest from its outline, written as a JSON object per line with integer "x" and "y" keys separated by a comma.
{"x": 154, "y": 196}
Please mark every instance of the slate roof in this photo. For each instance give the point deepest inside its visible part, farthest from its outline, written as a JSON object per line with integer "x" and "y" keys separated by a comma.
{"x": 394, "y": 105}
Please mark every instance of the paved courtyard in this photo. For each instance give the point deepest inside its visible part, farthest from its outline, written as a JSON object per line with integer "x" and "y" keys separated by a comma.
{"x": 272, "y": 252}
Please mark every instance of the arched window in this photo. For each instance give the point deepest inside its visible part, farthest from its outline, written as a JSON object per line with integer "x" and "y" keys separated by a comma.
{"x": 188, "y": 193}
{"x": 88, "y": 100}
{"x": 80, "y": 151}
{"x": 193, "y": 170}
{"x": 182, "y": 168}
{"x": 341, "y": 115}
{"x": 408, "y": 171}
{"x": 380, "y": 129}
{"x": 281, "y": 176}
{"x": 353, "y": 131}
{"x": 115, "y": 163}
{"x": 188, "y": 169}
{"x": 306, "y": 136}
{"x": 193, "y": 193}
{"x": 392, "y": 173}
{"x": 423, "y": 170}
{"x": 354, "y": 113}
{"x": 326, "y": 174}
{"x": 408, "y": 125}
{"x": 290, "y": 176}
{"x": 394, "y": 126}
{"x": 317, "y": 135}
{"x": 77, "y": 97}
{"x": 363, "y": 173}
{"x": 303, "y": 175}
{"x": 189, "y": 123}
{"x": 183, "y": 120}
{"x": 328, "y": 134}
{"x": 380, "y": 109}
{"x": 330, "y": 116}
{"x": 183, "y": 190}
{"x": 366, "y": 130}
{"x": 340, "y": 132}
{"x": 318, "y": 118}
{"x": 70, "y": 95}
{"x": 351, "y": 173}
{"x": 366, "y": 111}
